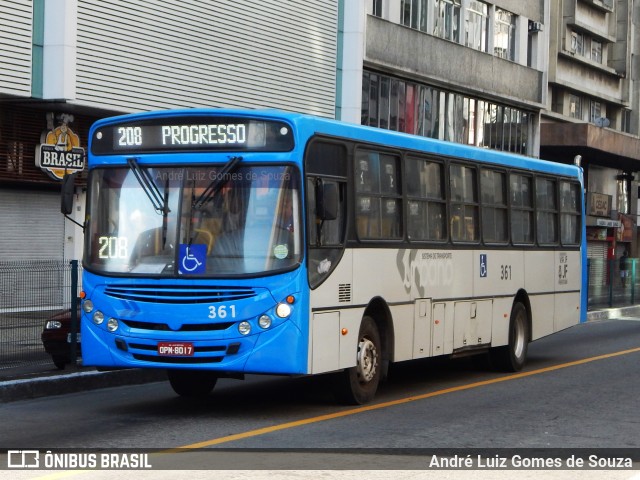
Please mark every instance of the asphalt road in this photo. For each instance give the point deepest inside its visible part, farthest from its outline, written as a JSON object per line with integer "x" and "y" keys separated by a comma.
{"x": 579, "y": 390}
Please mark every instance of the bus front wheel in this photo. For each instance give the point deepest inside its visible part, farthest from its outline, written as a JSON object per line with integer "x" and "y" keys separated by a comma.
{"x": 192, "y": 383}
{"x": 512, "y": 357}
{"x": 357, "y": 385}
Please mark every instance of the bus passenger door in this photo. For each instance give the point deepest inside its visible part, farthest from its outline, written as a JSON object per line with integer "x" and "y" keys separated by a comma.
{"x": 422, "y": 328}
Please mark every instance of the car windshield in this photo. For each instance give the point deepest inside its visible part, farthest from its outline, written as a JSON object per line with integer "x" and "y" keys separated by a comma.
{"x": 204, "y": 220}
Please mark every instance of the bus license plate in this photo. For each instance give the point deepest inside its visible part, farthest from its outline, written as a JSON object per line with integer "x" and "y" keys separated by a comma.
{"x": 175, "y": 349}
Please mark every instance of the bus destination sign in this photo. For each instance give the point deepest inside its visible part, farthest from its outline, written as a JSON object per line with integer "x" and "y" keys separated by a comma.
{"x": 192, "y": 134}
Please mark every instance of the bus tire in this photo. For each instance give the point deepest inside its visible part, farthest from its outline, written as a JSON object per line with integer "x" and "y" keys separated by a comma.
{"x": 512, "y": 357}
{"x": 192, "y": 383}
{"x": 358, "y": 385}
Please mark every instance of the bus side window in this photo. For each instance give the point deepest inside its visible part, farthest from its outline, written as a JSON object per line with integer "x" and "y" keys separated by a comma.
{"x": 426, "y": 206}
{"x": 521, "y": 209}
{"x": 570, "y": 213}
{"x": 546, "y": 211}
{"x": 464, "y": 204}
{"x": 378, "y": 196}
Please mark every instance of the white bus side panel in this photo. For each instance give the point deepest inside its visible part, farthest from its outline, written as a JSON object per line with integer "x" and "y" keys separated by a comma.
{"x": 568, "y": 280}
{"x": 539, "y": 282}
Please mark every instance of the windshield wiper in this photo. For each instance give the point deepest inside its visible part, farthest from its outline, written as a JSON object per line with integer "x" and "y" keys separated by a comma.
{"x": 159, "y": 201}
{"x": 217, "y": 183}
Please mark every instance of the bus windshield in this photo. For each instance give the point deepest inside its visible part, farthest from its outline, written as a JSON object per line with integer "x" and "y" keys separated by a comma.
{"x": 201, "y": 220}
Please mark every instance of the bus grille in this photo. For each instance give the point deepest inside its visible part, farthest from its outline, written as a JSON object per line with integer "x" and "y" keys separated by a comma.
{"x": 187, "y": 327}
{"x": 180, "y": 294}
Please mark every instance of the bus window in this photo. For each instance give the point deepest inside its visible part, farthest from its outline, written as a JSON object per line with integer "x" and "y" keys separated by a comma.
{"x": 426, "y": 208}
{"x": 493, "y": 190}
{"x": 464, "y": 204}
{"x": 378, "y": 202}
{"x": 521, "y": 209}
{"x": 546, "y": 211}
{"x": 569, "y": 213}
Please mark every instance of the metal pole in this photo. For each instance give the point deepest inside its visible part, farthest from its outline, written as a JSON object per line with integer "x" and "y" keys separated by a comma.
{"x": 611, "y": 280}
{"x": 633, "y": 281}
{"x": 74, "y": 311}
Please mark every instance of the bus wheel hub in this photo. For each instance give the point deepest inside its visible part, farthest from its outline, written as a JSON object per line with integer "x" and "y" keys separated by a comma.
{"x": 367, "y": 360}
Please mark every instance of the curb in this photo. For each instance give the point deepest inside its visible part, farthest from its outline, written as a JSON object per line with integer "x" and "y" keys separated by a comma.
{"x": 30, "y": 388}
{"x": 608, "y": 313}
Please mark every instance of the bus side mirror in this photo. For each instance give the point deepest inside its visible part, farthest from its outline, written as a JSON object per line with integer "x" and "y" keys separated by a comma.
{"x": 68, "y": 190}
{"x": 327, "y": 200}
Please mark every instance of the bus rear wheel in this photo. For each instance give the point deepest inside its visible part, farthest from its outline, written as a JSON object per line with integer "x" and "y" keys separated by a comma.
{"x": 512, "y": 357}
{"x": 192, "y": 383}
{"x": 358, "y": 385}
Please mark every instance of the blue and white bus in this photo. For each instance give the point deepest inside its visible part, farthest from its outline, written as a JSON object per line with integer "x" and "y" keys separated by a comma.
{"x": 220, "y": 243}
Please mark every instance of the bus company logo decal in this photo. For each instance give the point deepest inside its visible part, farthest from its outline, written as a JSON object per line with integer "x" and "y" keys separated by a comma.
{"x": 59, "y": 152}
{"x": 419, "y": 269}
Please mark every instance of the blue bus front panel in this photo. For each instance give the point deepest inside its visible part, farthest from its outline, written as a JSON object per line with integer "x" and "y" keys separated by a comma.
{"x": 187, "y": 325}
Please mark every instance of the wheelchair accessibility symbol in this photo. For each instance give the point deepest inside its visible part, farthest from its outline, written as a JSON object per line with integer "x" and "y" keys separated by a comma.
{"x": 483, "y": 265}
{"x": 192, "y": 258}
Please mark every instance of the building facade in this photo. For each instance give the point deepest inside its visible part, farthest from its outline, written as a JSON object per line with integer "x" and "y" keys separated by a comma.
{"x": 592, "y": 114}
{"x": 459, "y": 70}
{"x": 67, "y": 63}
{"x": 555, "y": 79}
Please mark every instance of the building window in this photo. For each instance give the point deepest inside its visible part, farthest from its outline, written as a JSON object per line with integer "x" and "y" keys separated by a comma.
{"x": 413, "y": 13}
{"x": 396, "y": 104}
{"x": 596, "y": 51}
{"x": 505, "y": 35}
{"x": 595, "y": 109}
{"x": 447, "y": 19}
{"x": 626, "y": 121}
{"x": 577, "y": 43}
{"x": 377, "y": 8}
{"x": 575, "y": 106}
{"x": 477, "y": 26}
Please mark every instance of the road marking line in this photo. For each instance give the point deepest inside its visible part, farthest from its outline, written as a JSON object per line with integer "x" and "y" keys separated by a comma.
{"x": 392, "y": 403}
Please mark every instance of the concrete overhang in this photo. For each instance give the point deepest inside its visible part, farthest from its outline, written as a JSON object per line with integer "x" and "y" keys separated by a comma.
{"x": 561, "y": 142}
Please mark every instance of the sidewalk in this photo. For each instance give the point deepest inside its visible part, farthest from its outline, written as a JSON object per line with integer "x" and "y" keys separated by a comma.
{"x": 44, "y": 380}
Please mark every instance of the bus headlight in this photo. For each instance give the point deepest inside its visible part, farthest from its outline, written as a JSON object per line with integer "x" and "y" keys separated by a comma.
{"x": 264, "y": 321}
{"x": 244, "y": 328}
{"x": 283, "y": 310}
{"x": 112, "y": 324}
{"x": 87, "y": 306}
{"x": 98, "y": 317}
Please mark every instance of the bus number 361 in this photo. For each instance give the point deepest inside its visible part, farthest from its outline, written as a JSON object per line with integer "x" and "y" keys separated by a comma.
{"x": 222, "y": 311}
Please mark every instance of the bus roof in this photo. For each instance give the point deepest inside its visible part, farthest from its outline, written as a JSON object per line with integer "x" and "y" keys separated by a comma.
{"x": 309, "y": 125}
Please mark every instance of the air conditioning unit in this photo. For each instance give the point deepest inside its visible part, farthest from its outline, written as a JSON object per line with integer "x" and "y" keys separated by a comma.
{"x": 535, "y": 27}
